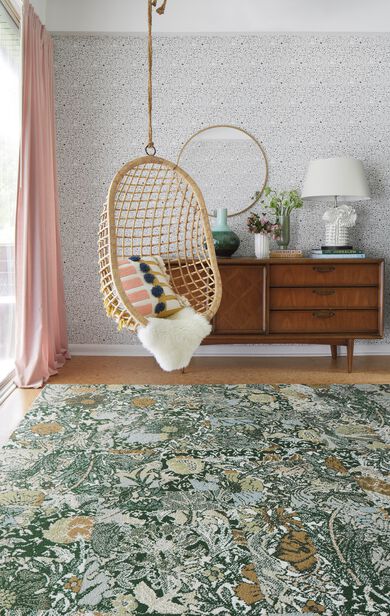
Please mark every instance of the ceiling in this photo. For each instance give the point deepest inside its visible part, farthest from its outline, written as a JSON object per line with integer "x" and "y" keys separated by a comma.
{"x": 218, "y": 15}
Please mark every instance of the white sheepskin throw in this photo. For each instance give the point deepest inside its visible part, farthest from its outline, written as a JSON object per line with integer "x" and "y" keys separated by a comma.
{"x": 174, "y": 340}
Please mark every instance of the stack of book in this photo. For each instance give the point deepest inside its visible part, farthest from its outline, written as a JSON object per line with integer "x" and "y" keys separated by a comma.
{"x": 286, "y": 254}
{"x": 327, "y": 252}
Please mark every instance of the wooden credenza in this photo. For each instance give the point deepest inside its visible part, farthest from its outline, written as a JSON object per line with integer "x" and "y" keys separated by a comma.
{"x": 309, "y": 301}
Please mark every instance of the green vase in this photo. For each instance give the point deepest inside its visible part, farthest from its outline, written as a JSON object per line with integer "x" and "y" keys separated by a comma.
{"x": 226, "y": 242}
{"x": 284, "y": 238}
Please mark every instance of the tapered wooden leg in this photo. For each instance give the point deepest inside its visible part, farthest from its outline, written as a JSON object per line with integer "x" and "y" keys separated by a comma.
{"x": 183, "y": 370}
{"x": 333, "y": 348}
{"x": 350, "y": 347}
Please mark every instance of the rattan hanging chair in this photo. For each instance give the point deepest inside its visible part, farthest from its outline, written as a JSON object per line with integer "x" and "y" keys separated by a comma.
{"x": 154, "y": 208}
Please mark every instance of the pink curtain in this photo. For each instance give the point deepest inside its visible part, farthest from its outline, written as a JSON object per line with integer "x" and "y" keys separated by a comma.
{"x": 41, "y": 338}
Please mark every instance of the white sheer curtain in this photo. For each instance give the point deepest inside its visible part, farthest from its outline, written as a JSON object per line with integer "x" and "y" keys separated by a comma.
{"x": 9, "y": 158}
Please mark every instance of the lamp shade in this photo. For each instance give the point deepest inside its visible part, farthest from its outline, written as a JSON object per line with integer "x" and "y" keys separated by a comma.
{"x": 344, "y": 178}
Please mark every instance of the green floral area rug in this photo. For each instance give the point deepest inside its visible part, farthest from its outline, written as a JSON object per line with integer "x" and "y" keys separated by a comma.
{"x": 198, "y": 500}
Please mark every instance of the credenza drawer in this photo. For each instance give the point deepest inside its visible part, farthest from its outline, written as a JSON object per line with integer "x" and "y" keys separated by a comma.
{"x": 295, "y": 301}
{"x": 323, "y": 321}
{"x": 327, "y": 274}
{"x": 288, "y": 298}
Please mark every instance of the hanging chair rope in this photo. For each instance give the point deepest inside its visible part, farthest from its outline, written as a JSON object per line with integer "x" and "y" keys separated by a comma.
{"x": 150, "y": 148}
{"x": 155, "y": 208}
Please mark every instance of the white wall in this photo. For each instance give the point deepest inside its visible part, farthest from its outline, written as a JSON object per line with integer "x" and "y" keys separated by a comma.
{"x": 220, "y": 15}
{"x": 40, "y": 9}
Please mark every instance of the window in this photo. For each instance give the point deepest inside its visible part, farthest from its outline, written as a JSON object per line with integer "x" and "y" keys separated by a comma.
{"x": 9, "y": 158}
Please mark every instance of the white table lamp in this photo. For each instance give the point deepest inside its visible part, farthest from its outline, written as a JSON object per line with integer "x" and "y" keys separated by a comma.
{"x": 337, "y": 179}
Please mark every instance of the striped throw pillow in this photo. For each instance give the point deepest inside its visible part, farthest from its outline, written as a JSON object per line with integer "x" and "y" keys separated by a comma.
{"x": 147, "y": 286}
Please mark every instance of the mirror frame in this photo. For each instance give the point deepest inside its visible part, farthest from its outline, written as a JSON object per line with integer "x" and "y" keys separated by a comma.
{"x": 263, "y": 153}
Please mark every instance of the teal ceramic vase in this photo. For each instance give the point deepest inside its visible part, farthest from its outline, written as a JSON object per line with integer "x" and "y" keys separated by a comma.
{"x": 226, "y": 242}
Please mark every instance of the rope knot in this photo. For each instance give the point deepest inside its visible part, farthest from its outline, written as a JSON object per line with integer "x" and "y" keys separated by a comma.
{"x": 161, "y": 9}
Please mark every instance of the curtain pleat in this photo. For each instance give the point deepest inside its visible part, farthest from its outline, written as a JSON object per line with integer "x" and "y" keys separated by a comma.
{"x": 41, "y": 339}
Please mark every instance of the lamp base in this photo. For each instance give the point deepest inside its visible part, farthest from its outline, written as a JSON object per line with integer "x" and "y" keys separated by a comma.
{"x": 336, "y": 236}
{"x": 338, "y": 223}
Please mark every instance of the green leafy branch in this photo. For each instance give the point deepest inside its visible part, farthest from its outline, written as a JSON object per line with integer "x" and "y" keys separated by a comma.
{"x": 281, "y": 203}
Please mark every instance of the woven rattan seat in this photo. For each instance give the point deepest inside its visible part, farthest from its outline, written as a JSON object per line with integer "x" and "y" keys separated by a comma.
{"x": 155, "y": 208}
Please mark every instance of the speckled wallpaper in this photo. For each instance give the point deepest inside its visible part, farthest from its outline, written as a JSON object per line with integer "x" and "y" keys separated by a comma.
{"x": 302, "y": 95}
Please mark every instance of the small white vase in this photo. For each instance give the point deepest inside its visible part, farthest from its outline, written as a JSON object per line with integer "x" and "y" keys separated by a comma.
{"x": 261, "y": 246}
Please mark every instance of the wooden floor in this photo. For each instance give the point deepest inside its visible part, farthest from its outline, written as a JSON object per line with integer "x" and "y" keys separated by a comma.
{"x": 13, "y": 410}
{"x": 112, "y": 370}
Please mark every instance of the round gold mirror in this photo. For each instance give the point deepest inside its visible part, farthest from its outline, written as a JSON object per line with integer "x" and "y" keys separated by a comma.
{"x": 228, "y": 164}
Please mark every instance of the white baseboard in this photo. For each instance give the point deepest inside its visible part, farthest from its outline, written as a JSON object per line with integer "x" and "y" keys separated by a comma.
{"x": 230, "y": 350}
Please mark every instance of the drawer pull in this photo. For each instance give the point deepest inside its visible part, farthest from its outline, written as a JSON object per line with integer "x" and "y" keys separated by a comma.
{"x": 324, "y": 269}
{"x": 324, "y": 314}
{"x": 324, "y": 291}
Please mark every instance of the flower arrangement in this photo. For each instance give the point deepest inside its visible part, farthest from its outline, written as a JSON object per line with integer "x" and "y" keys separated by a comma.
{"x": 282, "y": 203}
{"x": 261, "y": 224}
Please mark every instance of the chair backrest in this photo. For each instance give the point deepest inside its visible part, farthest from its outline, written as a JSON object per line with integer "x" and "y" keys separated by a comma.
{"x": 156, "y": 208}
